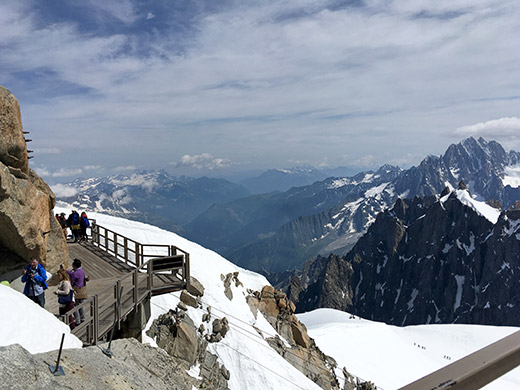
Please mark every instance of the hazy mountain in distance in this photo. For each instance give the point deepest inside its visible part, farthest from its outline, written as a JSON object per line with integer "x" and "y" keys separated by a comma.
{"x": 154, "y": 197}
{"x": 282, "y": 179}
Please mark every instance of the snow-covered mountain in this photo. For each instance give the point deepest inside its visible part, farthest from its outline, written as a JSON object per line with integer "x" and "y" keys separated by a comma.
{"x": 490, "y": 172}
{"x": 451, "y": 259}
{"x": 150, "y": 196}
{"x": 277, "y": 231}
{"x": 385, "y": 355}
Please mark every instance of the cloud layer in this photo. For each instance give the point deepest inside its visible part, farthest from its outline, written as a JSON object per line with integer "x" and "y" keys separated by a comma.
{"x": 259, "y": 83}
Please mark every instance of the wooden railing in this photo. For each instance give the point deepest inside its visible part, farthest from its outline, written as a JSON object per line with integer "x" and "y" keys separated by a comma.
{"x": 158, "y": 269}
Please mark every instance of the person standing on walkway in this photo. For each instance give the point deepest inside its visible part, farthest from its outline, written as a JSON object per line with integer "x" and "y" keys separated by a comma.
{"x": 77, "y": 281}
{"x": 73, "y": 222}
{"x": 84, "y": 223}
{"x": 65, "y": 295}
{"x": 35, "y": 279}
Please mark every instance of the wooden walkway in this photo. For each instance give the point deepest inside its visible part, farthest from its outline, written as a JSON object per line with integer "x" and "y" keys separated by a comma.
{"x": 123, "y": 274}
{"x": 102, "y": 268}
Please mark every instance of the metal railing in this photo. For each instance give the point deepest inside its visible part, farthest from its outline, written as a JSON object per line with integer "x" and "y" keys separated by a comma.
{"x": 159, "y": 269}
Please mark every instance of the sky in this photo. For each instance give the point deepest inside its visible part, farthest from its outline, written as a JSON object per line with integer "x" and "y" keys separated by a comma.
{"x": 204, "y": 87}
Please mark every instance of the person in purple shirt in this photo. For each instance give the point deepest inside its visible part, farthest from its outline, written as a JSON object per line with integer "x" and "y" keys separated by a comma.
{"x": 77, "y": 281}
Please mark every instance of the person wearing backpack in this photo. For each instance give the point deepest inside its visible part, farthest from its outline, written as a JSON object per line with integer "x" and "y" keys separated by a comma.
{"x": 73, "y": 223}
{"x": 65, "y": 295}
{"x": 84, "y": 223}
{"x": 35, "y": 279}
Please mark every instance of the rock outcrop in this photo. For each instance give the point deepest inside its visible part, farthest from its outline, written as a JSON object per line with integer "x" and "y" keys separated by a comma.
{"x": 425, "y": 261}
{"x": 28, "y": 227}
{"x": 302, "y": 351}
{"x": 133, "y": 366}
{"x": 176, "y": 333}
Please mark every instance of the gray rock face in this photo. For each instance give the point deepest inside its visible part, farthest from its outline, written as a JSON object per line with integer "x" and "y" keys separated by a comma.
{"x": 133, "y": 366}
{"x": 303, "y": 353}
{"x": 27, "y": 225}
{"x": 13, "y": 151}
{"x": 324, "y": 282}
{"x": 429, "y": 262}
{"x": 179, "y": 337}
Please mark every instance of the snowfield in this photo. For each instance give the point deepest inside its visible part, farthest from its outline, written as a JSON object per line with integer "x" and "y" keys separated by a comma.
{"x": 389, "y": 356}
{"x": 392, "y": 356}
{"x": 24, "y": 322}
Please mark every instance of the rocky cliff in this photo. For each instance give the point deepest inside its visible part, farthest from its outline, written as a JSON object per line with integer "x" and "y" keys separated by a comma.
{"x": 426, "y": 260}
{"x": 28, "y": 227}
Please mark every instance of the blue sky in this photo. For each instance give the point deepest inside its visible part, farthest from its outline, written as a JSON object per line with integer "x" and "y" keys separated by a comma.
{"x": 206, "y": 87}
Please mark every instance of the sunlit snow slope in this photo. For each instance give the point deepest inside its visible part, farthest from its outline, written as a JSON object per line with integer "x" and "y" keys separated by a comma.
{"x": 24, "y": 322}
{"x": 392, "y": 356}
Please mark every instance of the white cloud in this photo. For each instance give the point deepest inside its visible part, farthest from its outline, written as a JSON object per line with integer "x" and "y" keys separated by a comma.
{"x": 51, "y": 150}
{"x": 64, "y": 191}
{"x": 121, "y": 196}
{"x": 150, "y": 16}
{"x": 65, "y": 172}
{"x": 202, "y": 161}
{"x": 494, "y": 128}
{"x": 92, "y": 168}
{"x": 125, "y": 168}
{"x": 42, "y": 171}
{"x": 504, "y": 130}
{"x": 279, "y": 80}
{"x": 121, "y": 9}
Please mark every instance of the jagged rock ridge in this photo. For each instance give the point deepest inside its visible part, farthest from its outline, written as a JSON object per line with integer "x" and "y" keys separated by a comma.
{"x": 479, "y": 163}
{"x": 427, "y": 261}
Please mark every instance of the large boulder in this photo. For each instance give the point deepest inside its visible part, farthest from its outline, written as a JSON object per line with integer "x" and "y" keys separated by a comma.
{"x": 28, "y": 227}
{"x": 13, "y": 151}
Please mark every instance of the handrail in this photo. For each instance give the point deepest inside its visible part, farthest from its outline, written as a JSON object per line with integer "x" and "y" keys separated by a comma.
{"x": 139, "y": 283}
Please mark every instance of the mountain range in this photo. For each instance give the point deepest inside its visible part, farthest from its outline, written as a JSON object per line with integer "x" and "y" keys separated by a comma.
{"x": 447, "y": 259}
{"x": 275, "y": 232}
{"x": 154, "y": 197}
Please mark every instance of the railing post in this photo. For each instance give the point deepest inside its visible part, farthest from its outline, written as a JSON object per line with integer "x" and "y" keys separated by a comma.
{"x": 187, "y": 269}
{"x": 96, "y": 320}
{"x": 106, "y": 241}
{"x": 136, "y": 296}
{"x": 137, "y": 255}
{"x": 118, "y": 306}
{"x": 126, "y": 250}
{"x": 150, "y": 275}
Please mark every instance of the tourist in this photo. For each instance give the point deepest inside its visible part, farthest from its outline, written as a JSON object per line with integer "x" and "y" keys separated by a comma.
{"x": 63, "y": 223}
{"x": 84, "y": 224}
{"x": 73, "y": 223}
{"x": 35, "y": 279}
{"x": 78, "y": 283}
{"x": 65, "y": 295}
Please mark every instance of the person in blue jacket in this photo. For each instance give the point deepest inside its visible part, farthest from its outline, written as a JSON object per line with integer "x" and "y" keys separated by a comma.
{"x": 35, "y": 279}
